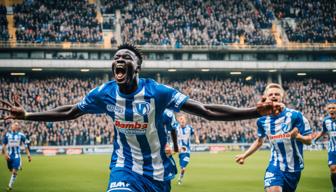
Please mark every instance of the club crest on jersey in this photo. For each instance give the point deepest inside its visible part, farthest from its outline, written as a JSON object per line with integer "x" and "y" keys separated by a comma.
{"x": 142, "y": 108}
{"x": 285, "y": 126}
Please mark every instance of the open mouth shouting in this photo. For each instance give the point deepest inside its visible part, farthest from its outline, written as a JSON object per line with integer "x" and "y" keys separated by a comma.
{"x": 120, "y": 73}
{"x": 274, "y": 100}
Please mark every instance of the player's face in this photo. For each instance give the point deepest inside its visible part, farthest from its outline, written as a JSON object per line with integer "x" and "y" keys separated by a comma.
{"x": 124, "y": 66}
{"x": 274, "y": 94}
{"x": 15, "y": 126}
{"x": 182, "y": 121}
{"x": 331, "y": 108}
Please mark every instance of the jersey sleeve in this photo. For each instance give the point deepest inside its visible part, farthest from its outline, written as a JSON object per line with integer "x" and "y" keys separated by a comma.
{"x": 170, "y": 98}
{"x": 23, "y": 140}
{"x": 302, "y": 124}
{"x": 90, "y": 103}
{"x": 169, "y": 120}
{"x": 192, "y": 131}
{"x": 261, "y": 131}
{"x": 324, "y": 127}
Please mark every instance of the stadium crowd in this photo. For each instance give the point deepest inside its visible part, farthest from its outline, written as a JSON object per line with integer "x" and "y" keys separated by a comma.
{"x": 4, "y": 36}
{"x": 308, "y": 96}
{"x": 174, "y": 23}
{"x": 194, "y": 22}
{"x": 315, "y": 21}
{"x": 57, "y": 21}
{"x": 110, "y": 7}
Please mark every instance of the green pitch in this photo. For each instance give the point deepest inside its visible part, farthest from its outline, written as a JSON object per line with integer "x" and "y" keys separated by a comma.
{"x": 206, "y": 173}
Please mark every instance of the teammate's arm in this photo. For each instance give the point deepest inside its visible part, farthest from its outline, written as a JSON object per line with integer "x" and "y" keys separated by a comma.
{"x": 26, "y": 149}
{"x": 252, "y": 149}
{"x": 28, "y": 154}
{"x": 322, "y": 133}
{"x": 319, "y": 135}
{"x": 302, "y": 130}
{"x": 4, "y": 152}
{"x": 305, "y": 139}
{"x": 227, "y": 113}
{"x": 196, "y": 136}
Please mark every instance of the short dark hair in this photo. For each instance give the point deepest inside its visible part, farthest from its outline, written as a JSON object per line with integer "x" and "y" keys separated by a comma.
{"x": 132, "y": 48}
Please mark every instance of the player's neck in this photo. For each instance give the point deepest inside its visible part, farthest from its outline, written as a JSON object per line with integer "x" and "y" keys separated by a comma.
{"x": 129, "y": 88}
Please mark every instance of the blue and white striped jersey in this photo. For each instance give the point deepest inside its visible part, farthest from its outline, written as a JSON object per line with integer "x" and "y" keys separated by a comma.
{"x": 13, "y": 141}
{"x": 184, "y": 136}
{"x": 140, "y": 137}
{"x": 169, "y": 120}
{"x": 170, "y": 123}
{"x": 286, "y": 153}
{"x": 329, "y": 126}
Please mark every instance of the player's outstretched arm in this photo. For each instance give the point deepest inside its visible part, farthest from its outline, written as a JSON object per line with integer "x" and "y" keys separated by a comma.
{"x": 61, "y": 113}
{"x": 252, "y": 149}
{"x": 227, "y": 113}
{"x": 16, "y": 111}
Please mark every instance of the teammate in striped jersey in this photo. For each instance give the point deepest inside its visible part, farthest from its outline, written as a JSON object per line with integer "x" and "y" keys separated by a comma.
{"x": 287, "y": 132}
{"x": 170, "y": 123}
{"x": 136, "y": 106}
{"x": 329, "y": 128}
{"x": 185, "y": 132}
{"x": 11, "y": 149}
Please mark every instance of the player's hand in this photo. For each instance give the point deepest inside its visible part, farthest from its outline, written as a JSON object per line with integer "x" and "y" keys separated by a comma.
{"x": 277, "y": 108}
{"x": 240, "y": 159}
{"x": 7, "y": 157}
{"x": 294, "y": 133}
{"x": 264, "y": 107}
{"x": 16, "y": 111}
{"x": 315, "y": 135}
{"x": 29, "y": 158}
{"x": 168, "y": 150}
{"x": 197, "y": 141}
{"x": 183, "y": 149}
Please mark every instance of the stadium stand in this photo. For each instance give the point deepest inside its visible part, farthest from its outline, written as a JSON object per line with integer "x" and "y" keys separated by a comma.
{"x": 57, "y": 21}
{"x": 48, "y": 92}
{"x": 174, "y": 23}
{"x": 4, "y": 35}
{"x": 308, "y": 20}
{"x": 190, "y": 22}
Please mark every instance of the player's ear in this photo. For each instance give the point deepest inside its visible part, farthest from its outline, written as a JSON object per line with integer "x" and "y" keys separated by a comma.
{"x": 283, "y": 99}
{"x": 138, "y": 68}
